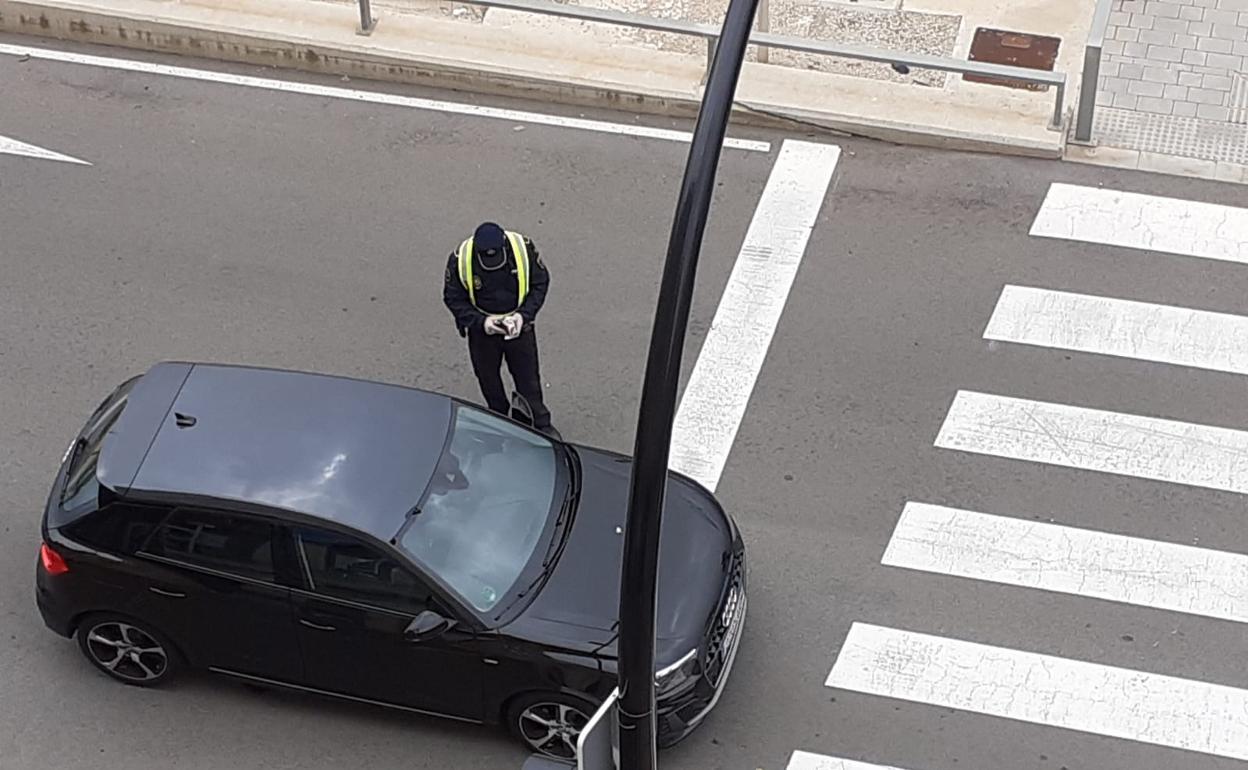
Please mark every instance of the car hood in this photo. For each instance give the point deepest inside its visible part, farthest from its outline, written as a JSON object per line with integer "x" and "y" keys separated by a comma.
{"x": 583, "y": 589}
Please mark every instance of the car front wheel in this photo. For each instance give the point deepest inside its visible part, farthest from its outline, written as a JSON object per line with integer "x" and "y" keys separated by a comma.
{"x": 549, "y": 723}
{"x": 127, "y": 649}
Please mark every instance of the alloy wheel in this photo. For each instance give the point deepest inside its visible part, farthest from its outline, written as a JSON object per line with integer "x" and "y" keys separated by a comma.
{"x": 552, "y": 728}
{"x": 126, "y": 651}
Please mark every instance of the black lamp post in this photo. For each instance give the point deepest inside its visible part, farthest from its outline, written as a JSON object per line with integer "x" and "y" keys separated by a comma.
{"x": 658, "y": 395}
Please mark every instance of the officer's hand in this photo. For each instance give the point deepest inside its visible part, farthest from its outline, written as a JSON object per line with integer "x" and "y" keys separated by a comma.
{"x": 494, "y": 325}
{"x": 513, "y": 323}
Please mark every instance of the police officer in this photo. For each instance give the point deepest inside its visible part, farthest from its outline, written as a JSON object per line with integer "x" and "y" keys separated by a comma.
{"x": 495, "y": 285}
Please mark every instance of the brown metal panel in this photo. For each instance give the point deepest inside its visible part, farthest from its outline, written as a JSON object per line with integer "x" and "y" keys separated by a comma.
{"x": 1019, "y": 49}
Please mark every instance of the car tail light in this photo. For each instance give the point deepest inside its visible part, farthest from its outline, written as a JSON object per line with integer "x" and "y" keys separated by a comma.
{"x": 52, "y": 562}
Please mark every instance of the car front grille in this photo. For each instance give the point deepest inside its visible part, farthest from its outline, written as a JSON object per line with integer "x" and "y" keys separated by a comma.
{"x": 726, "y": 624}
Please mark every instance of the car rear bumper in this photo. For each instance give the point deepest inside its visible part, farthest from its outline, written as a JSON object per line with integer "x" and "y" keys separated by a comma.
{"x": 56, "y": 615}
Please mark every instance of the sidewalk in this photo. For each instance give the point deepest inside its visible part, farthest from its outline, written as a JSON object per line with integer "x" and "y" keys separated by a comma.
{"x": 501, "y": 51}
{"x": 1173, "y": 92}
{"x": 1172, "y": 98}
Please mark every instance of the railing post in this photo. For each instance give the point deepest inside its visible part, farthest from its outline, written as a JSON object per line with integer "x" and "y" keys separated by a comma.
{"x": 1087, "y": 93}
{"x": 1059, "y": 107}
{"x": 367, "y": 21}
{"x": 764, "y": 25}
{"x": 1091, "y": 78}
{"x": 711, "y": 44}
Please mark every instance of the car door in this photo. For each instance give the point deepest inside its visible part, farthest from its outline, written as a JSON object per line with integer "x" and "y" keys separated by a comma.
{"x": 213, "y": 587}
{"x": 352, "y": 617}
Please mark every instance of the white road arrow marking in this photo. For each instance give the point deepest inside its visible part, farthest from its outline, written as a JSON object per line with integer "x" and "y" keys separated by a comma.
{"x": 13, "y": 147}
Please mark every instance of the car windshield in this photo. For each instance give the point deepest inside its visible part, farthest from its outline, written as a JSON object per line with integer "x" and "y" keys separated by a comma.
{"x": 486, "y": 508}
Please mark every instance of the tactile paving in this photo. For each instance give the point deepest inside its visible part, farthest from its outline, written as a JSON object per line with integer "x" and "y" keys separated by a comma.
{"x": 1171, "y": 135}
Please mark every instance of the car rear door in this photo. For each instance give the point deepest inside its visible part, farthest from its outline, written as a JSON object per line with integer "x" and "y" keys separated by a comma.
{"x": 351, "y": 621}
{"x": 212, "y": 586}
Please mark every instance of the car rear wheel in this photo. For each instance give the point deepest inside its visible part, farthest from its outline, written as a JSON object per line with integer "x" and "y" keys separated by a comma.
{"x": 128, "y": 650}
{"x": 549, "y": 723}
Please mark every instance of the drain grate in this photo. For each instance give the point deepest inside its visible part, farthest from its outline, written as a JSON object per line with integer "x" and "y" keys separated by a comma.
{"x": 1019, "y": 49}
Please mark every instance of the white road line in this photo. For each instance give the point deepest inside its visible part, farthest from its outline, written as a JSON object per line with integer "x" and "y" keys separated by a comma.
{"x": 372, "y": 97}
{"x": 1050, "y": 557}
{"x": 1044, "y": 690}
{"x": 1119, "y": 327}
{"x": 732, "y": 355}
{"x": 804, "y": 760}
{"x": 1147, "y": 222}
{"x": 13, "y": 147}
{"x": 1094, "y": 440}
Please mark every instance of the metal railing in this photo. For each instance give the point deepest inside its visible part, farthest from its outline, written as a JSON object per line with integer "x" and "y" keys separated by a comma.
{"x": 1091, "y": 77}
{"x": 766, "y": 40}
{"x": 367, "y": 21}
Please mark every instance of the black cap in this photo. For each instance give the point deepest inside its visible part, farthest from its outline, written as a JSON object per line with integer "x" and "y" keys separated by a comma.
{"x": 488, "y": 236}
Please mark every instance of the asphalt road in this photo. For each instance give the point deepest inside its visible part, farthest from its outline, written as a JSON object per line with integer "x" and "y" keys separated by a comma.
{"x": 227, "y": 223}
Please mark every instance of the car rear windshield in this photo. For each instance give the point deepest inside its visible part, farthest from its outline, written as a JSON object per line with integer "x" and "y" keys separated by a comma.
{"x": 81, "y": 485}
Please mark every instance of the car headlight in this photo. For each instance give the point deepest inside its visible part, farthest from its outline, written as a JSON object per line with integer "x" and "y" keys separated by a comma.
{"x": 674, "y": 677}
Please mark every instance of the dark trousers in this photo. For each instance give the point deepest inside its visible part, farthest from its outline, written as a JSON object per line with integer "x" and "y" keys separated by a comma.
{"x": 487, "y": 352}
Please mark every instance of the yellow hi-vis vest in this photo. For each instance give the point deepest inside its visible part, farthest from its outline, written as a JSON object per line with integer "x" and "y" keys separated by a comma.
{"x": 519, "y": 251}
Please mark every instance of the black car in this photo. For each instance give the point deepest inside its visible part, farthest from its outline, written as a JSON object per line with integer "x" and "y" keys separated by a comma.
{"x": 377, "y": 543}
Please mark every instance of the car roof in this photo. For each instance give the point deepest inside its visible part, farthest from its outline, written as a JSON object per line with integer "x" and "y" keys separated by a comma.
{"x": 352, "y": 451}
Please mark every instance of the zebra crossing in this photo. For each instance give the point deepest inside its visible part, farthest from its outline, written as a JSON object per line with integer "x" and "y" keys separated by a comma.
{"x": 1029, "y": 685}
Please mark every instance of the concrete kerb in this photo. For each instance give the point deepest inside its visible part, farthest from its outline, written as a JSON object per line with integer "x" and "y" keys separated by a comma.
{"x": 150, "y": 32}
{"x": 312, "y": 56}
{"x": 896, "y": 132}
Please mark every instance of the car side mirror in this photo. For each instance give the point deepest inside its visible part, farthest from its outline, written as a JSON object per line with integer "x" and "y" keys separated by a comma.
{"x": 427, "y": 625}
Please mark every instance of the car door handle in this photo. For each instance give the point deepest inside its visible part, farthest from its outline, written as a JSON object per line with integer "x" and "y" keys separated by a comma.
{"x": 317, "y": 626}
{"x": 163, "y": 592}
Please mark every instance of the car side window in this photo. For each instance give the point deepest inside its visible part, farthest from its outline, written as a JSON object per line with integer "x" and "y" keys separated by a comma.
{"x": 225, "y": 542}
{"x": 344, "y": 568}
{"x": 120, "y": 527}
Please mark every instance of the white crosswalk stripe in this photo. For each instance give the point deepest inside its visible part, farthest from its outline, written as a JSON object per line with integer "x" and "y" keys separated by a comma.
{"x": 1032, "y": 686}
{"x": 805, "y": 760}
{"x": 733, "y": 352}
{"x": 1096, "y": 440}
{"x": 1100, "y": 565}
{"x": 1122, "y": 328}
{"x": 1146, "y": 222}
{"x": 1043, "y": 689}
